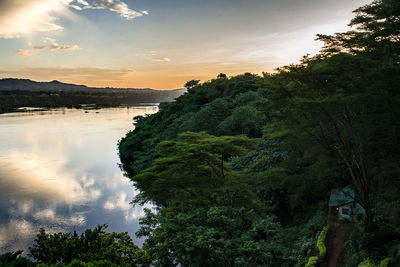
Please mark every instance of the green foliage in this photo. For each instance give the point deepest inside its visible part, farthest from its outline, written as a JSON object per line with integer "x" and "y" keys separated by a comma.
{"x": 377, "y": 26}
{"x": 206, "y": 119}
{"x": 221, "y": 76}
{"x": 192, "y": 83}
{"x": 193, "y": 111}
{"x": 321, "y": 242}
{"x": 312, "y": 261}
{"x": 243, "y": 120}
{"x": 79, "y": 263}
{"x": 264, "y": 156}
{"x": 241, "y": 168}
{"x": 385, "y": 262}
{"x": 366, "y": 263}
{"x": 206, "y": 215}
{"x": 342, "y": 116}
{"x": 190, "y": 169}
{"x": 328, "y": 122}
{"x": 14, "y": 259}
{"x": 92, "y": 245}
{"x": 219, "y": 235}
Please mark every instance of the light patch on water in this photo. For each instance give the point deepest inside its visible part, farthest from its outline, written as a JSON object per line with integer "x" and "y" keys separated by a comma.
{"x": 27, "y": 175}
{"x": 59, "y": 170}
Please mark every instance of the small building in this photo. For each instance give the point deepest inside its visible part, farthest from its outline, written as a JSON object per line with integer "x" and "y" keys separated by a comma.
{"x": 342, "y": 203}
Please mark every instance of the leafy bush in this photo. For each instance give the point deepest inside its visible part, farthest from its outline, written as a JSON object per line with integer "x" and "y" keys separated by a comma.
{"x": 92, "y": 245}
{"x": 312, "y": 261}
{"x": 14, "y": 259}
{"x": 366, "y": 263}
{"x": 384, "y": 262}
{"x": 79, "y": 263}
{"x": 321, "y": 242}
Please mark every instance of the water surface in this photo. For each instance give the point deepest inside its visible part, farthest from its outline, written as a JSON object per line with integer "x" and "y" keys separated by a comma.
{"x": 59, "y": 170}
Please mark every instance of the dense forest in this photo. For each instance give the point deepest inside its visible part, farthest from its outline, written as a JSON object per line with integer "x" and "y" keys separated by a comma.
{"x": 241, "y": 169}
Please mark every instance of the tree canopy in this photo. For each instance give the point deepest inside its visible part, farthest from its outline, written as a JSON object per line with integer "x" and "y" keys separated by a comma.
{"x": 240, "y": 169}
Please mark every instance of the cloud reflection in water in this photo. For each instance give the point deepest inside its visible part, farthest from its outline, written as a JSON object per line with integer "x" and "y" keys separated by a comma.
{"x": 59, "y": 170}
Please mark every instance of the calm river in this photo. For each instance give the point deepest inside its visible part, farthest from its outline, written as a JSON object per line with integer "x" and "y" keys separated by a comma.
{"x": 59, "y": 170}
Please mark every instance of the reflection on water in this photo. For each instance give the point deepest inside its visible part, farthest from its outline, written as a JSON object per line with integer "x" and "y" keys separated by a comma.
{"x": 59, "y": 170}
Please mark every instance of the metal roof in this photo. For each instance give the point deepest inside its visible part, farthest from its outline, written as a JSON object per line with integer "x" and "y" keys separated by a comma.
{"x": 340, "y": 197}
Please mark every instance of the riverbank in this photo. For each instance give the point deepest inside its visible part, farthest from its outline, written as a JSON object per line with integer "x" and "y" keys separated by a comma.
{"x": 82, "y": 106}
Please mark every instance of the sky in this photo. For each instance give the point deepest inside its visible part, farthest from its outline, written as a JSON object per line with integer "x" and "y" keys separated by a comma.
{"x": 160, "y": 44}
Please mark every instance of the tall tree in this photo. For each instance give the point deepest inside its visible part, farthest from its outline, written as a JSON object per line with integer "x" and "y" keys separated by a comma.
{"x": 345, "y": 105}
{"x": 377, "y": 27}
{"x": 190, "y": 169}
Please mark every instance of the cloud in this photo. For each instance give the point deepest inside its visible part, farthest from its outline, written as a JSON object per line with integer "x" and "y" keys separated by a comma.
{"x": 122, "y": 203}
{"x": 161, "y": 59}
{"x": 14, "y": 234}
{"x": 75, "y": 7}
{"x": 113, "y": 182}
{"x": 227, "y": 63}
{"x": 9, "y": 36}
{"x": 118, "y": 203}
{"x": 24, "y": 52}
{"x": 55, "y": 46}
{"x": 28, "y": 52}
{"x": 39, "y": 47}
{"x": 49, "y": 215}
{"x": 51, "y": 184}
{"x": 117, "y": 6}
{"x": 19, "y": 17}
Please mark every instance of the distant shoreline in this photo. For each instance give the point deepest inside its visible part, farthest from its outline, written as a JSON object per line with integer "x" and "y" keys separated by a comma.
{"x": 17, "y": 93}
{"x": 82, "y": 107}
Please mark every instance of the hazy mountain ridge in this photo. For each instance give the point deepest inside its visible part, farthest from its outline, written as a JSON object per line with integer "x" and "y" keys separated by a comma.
{"x": 14, "y": 84}
{"x": 15, "y": 93}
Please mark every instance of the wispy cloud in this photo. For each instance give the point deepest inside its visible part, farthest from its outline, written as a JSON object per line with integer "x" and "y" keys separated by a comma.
{"x": 9, "y": 36}
{"x": 227, "y": 63}
{"x": 24, "y": 52}
{"x": 28, "y": 52}
{"x": 82, "y": 2}
{"x": 39, "y": 47}
{"x": 161, "y": 59}
{"x": 122, "y": 203}
{"x": 55, "y": 47}
{"x": 25, "y": 17}
{"x": 150, "y": 54}
{"x": 49, "y": 215}
{"x": 118, "y": 203}
{"x": 117, "y": 6}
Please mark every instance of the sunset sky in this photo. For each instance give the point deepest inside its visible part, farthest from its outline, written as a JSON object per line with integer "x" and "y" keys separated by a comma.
{"x": 160, "y": 43}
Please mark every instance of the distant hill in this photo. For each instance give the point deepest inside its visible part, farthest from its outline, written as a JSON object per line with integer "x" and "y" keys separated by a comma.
{"x": 27, "y": 93}
{"x": 12, "y": 84}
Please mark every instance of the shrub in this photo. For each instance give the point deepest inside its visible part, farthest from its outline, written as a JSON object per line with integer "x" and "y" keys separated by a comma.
{"x": 312, "y": 261}
{"x": 321, "y": 247}
{"x": 385, "y": 262}
{"x": 321, "y": 242}
{"x": 366, "y": 263}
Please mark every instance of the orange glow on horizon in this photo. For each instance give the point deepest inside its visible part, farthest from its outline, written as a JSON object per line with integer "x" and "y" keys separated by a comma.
{"x": 127, "y": 78}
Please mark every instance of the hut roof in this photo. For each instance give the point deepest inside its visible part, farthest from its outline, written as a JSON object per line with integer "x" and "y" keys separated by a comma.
{"x": 340, "y": 197}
